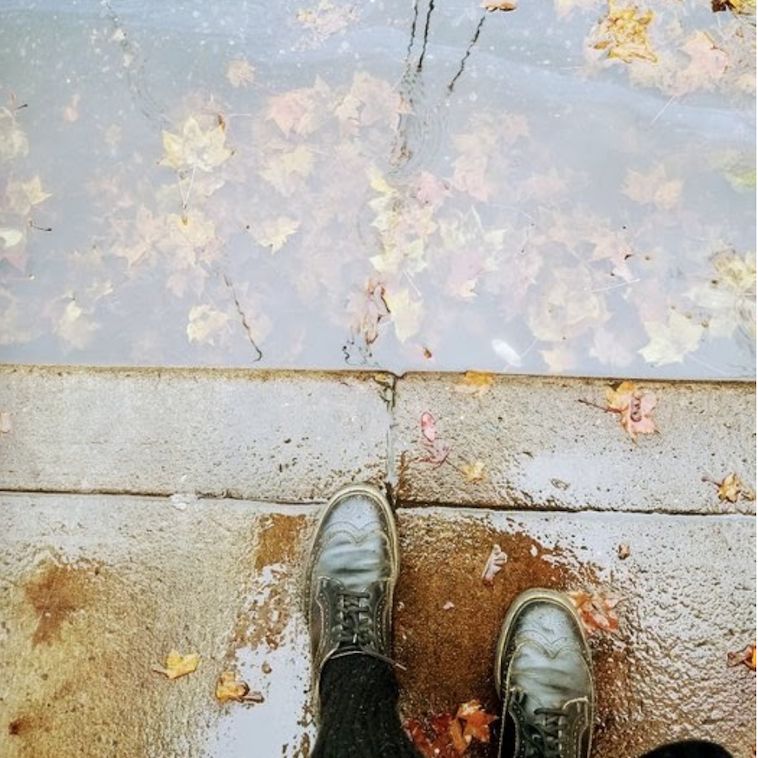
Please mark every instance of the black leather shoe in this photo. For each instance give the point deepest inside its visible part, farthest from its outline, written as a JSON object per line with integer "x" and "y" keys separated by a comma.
{"x": 543, "y": 674}
{"x": 352, "y": 572}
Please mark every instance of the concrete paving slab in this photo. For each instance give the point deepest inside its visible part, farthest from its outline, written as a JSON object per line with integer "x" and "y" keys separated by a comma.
{"x": 256, "y": 435}
{"x": 96, "y": 589}
{"x": 539, "y": 447}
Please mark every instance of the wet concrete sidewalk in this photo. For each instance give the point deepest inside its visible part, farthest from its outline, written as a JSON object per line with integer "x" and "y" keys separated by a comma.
{"x": 147, "y": 510}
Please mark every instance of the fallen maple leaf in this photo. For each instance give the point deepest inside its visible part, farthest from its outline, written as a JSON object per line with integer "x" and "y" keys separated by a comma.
{"x": 496, "y": 560}
{"x": 746, "y": 656}
{"x": 231, "y": 689}
{"x": 494, "y": 5}
{"x": 634, "y": 408}
{"x": 731, "y": 489}
{"x": 670, "y": 342}
{"x": 475, "y": 383}
{"x": 623, "y": 33}
{"x": 23, "y": 195}
{"x": 437, "y": 451}
{"x": 631, "y": 405}
{"x": 597, "y": 610}
{"x": 240, "y": 73}
{"x": 476, "y": 720}
{"x": 473, "y": 472}
{"x": 178, "y": 665}
{"x": 195, "y": 147}
{"x": 451, "y": 735}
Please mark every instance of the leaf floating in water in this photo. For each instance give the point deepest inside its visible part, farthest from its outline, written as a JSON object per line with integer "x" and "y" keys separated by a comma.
{"x": 240, "y": 73}
{"x": 624, "y": 34}
{"x": 670, "y": 342}
{"x": 195, "y": 147}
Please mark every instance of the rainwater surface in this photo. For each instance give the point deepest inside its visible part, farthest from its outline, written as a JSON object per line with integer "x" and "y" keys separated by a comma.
{"x": 555, "y": 187}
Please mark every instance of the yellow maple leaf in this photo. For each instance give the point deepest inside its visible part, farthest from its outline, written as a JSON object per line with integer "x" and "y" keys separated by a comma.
{"x": 623, "y": 33}
{"x": 286, "y": 171}
{"x": 274, "y": 233}
{"x": 240, "y": 73}
{"x": 11, "y": 237}
{"x": 13, "y": 140}
{"x": 670, "y": 342}
{"x": 23, "y": 195}
{"x": 474, "y": 472}
{"x": 475, "y": 383}
{"x": 731, "y": 489}
{"x": 205, "y": 323}
{"x": 178, "y": 665}
{"x": 405, "y": 313}
{"x": 75, "y": 327}
{"x": 195, "y": 147}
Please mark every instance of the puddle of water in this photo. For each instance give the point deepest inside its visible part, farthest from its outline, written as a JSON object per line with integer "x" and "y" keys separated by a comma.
{"x": 394, "y": 185}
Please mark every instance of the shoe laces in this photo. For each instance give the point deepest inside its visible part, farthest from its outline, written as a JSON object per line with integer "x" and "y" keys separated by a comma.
{"x": 547, "y": 737}
{"x": 546, "y": 733}
{"x": 354, "y": 624}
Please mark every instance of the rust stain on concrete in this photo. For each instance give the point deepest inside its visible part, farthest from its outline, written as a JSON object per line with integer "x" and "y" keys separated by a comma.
{"x": 447, "y": 621}
{"x": 57, "y": 591}
{"x": 276, "y": 563}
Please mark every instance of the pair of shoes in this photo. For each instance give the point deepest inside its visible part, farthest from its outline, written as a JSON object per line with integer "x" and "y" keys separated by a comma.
{"x": 543, "y": 668}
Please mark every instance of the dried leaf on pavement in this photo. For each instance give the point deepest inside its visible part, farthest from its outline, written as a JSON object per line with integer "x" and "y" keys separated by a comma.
{"x": 437, "y": 451}
{"x": 474, "y": 472}
{"x": 634, "y": 408}
{"x": 476, "y": 721}
{"x": 229, "y": 688}
{"x": 496, "y": 560}
{"x": 597, "y": 610}
{"x": 475, "y": 383}
{"x": 745, "y": 656}
{"x": 731, "y": 489}
{"x": 449, "y": 736}
{"x": 178, "y": 665}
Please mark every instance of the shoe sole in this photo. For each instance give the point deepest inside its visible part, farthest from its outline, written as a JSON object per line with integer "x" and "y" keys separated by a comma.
{"x": 373, "y": 494}
{"x": 550, "y": 596}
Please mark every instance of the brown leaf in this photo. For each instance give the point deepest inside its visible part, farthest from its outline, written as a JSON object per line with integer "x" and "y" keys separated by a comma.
{"x": 477, "y": 721}
{"x": 450, "y": 736}
{"x": 746, "y": 656}
{"x": 597, "y": 610}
